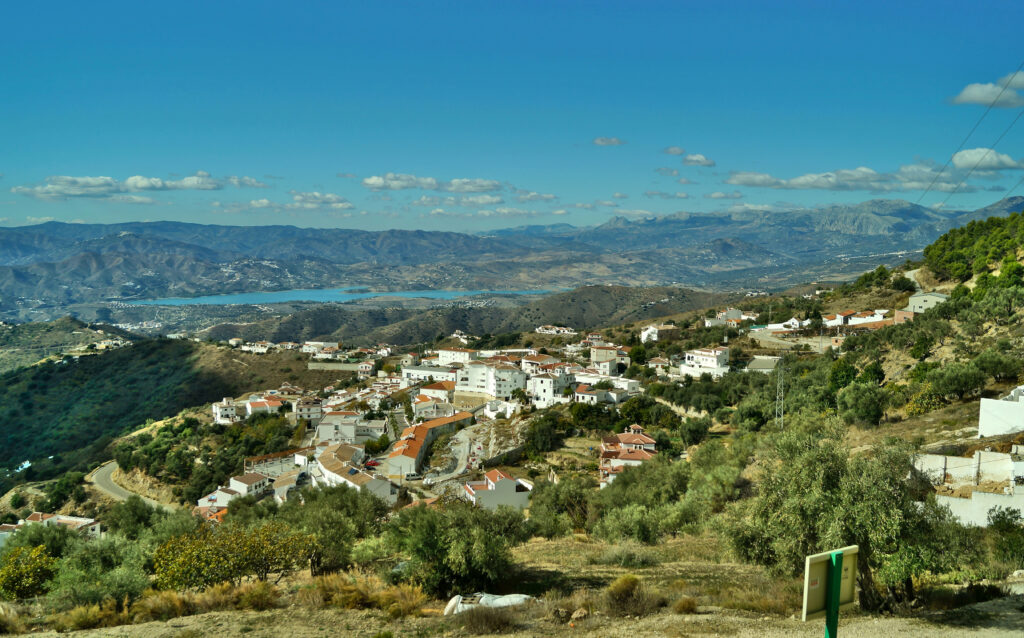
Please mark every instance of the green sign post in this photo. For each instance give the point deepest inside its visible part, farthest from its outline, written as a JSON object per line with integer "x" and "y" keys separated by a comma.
{"x": 829, "y": 586}
{"x": 834, "y": 581}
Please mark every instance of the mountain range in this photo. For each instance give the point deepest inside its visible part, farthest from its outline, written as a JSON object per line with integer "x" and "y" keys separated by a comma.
{"x": 56, "y": 265}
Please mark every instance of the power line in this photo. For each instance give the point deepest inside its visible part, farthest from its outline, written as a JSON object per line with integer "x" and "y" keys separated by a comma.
{"x": 973, "y": 129}
{"x": 983, "y": 157}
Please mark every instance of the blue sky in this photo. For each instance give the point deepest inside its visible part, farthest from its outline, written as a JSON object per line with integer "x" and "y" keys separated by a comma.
{"x": 478, "y": 115}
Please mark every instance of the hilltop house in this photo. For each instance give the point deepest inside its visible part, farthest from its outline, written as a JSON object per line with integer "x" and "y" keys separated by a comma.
{"x": 308, "y": 409}
{"x": 440, "y": 390}
{"x": 491, "y": 380}
{"x": 631, "y": 447}
{"x": 713, "y": 361}
{"x": 338, "y": 465}
{"x": 262, "y": 406}
{"x": 661, "y": 332}
{"x": 225, "y": 412}
{"x": 87, "y": 526}
{"x": 448, "y": 356}
{"x": 498, "y": 488}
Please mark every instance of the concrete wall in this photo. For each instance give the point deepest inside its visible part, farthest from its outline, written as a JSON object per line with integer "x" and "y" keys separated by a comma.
{"x": 933, "y": 466}
{"x": 327, "y": 365}
{"x": 994, "y": 466}
{"x": 1000, "y": 417}
{"x": 974, "y": 510}
{"x": 961, "y": 470}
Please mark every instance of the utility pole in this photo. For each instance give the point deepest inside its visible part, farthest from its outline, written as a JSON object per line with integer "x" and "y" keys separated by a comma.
{"x": 779, "y": 397}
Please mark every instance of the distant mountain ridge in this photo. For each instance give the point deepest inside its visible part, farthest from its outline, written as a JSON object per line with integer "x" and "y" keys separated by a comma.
{"x": 58, "y": 264}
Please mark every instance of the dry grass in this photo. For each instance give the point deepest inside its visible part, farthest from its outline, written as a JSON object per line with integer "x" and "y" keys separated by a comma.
{"x": 220, "y": 597}
{"x": 161, "y": 605}
{"x": 402, "y": 600}
{"x": 258, "y": 596}
{"x": 780, "y": 598}
{"x": 488, "y": 620}
{"x": 89, "y": 617}
{"x": 685, "y": 605}
{"x": 11, "y": 621}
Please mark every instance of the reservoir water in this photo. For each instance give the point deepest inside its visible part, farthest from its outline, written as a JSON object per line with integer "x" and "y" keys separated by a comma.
{"x": 323, "y": 295}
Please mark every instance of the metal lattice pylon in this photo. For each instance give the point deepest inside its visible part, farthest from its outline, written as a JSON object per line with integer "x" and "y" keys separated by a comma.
{"x": 779, "y": 398}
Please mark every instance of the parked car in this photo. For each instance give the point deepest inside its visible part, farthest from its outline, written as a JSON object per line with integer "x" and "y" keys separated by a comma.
{"x": 372, "y": 463}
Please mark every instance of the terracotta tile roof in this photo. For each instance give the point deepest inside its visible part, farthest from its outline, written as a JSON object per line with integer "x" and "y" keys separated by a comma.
{"x": 495, "y": 475}
{"x": 440, "y": 385}
{"x": 250, "y": 478}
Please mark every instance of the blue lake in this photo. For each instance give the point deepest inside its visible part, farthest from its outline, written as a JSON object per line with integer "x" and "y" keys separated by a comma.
{"x": 322, "y": 295}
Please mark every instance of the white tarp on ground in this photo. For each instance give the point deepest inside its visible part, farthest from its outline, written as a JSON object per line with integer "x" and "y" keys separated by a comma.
{"x": 459, "y": 604}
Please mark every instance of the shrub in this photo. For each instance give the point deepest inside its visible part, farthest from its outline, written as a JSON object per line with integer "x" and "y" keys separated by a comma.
{"x": 685, "y": 605}
{"x": 488, "y": 620}
{"x": 24, "y": 572}
{"x": 161, "y": 605}
{"x": 89, "y": 617}
{"x": 627, "y": 596}
{"x": 626, "y": 555}
{"x": 258, "y": 596}
{"x": 633, "y": 521}
{"x": 402, "y": 600}
{"x": 351, "y": 590}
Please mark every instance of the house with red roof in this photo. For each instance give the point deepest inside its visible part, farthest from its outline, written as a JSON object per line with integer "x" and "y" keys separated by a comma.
{"x": 630, "y": 448}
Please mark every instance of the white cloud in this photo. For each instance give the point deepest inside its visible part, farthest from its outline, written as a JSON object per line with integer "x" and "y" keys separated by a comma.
{"x": 1013, "y": 80}
{"x": 910, "y": 177}
{"x": 584, "y": 205}
{"x": 606, "y": 202}
{"x": 471, "y": 186}
{"x": 721, "y": 195}
{"x": 470, "y": 200}
{"x": 664, "y": 195}
{"x": 674, "y": 150}
{"x": 533, "y": 196}
{"x": 666, "y": 172}
{"x": 560, "y": 211}
{"x": 751, "y": 178}
{"x": 404, "y": 181}
{"x": 608, "y": 141}
{"x": 65, "y": 186}
{"x": 984, "y": 159}
{"x": 398, "y": 181}
{"x": 38, "y": 220}
{"x": 246, "y": 182}
{"x": 988, "y": 93}
{"x": 618, "y": 195}
{"x": 481, "y": 200}
{"x": 130, "y": 199}
{"x": 316, "y": 200}
{"x": 696, "y": 159}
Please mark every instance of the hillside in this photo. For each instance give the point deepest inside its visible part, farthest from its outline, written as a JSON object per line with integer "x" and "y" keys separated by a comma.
{"x": 587, "y": 307}
{"x": 73, "y": 409}
{"x": 26, "y": 343}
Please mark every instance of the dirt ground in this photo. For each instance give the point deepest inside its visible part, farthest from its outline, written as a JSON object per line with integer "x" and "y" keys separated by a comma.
{"x": 1001, "y": 617}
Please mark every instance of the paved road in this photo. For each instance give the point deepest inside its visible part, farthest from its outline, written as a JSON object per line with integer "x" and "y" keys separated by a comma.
{"x": 103, "y": 480}
{"x": 912, "y": 276}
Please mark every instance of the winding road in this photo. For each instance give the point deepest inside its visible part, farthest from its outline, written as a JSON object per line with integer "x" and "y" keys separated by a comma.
{"x": 102, "y": 479}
